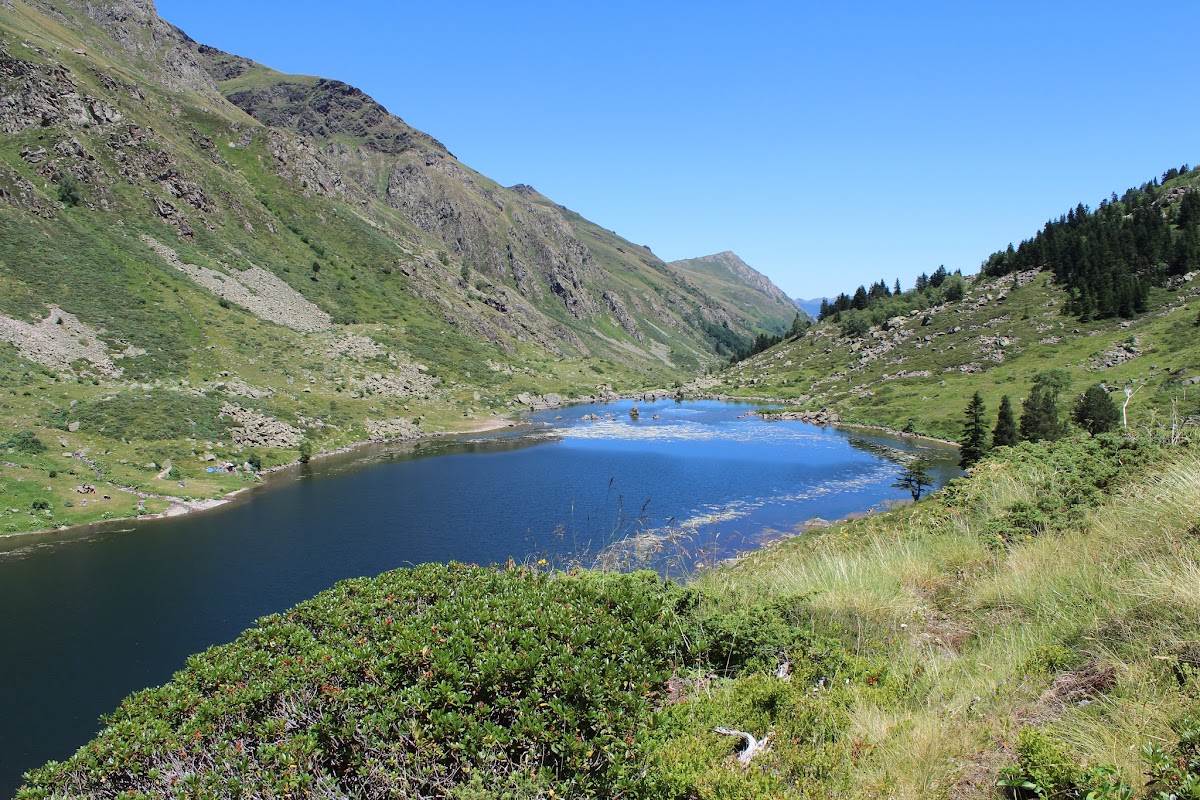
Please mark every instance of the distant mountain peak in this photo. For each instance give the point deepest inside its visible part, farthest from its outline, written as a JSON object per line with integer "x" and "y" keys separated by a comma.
{"x": 725, "y": 274}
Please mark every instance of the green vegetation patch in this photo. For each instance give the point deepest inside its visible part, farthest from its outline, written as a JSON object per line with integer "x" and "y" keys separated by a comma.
{"x": 154, "y": 415}
{"x": 434, "y": 681}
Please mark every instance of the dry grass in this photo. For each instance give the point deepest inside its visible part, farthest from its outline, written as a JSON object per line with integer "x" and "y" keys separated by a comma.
{"x": 980, "y": 635}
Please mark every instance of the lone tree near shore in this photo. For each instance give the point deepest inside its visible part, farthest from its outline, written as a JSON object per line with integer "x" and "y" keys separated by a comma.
{"x": 915, "y": 478}
{"x": 975, "y": 433}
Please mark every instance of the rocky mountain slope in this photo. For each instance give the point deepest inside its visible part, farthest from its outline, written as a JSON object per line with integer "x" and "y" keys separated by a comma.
{"x": 182, "y": 229}
{"x": 762, "y": 304}
{"x": 917, "y": 369}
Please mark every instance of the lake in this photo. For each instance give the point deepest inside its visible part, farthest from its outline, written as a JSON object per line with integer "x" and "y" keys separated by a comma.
{"x": 88, "y": 617}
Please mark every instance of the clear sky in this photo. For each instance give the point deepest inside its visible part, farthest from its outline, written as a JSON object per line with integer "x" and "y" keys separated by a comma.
{"x": 828, "y": 144}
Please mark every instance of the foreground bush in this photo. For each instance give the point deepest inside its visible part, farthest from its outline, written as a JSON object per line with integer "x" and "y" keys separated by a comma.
{"x": 426, "y": 682}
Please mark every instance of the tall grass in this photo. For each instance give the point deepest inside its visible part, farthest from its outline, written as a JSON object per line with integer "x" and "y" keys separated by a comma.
{"x": 977, "y": 638}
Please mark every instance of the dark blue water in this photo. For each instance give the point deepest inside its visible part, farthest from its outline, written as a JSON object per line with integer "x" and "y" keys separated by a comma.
{"x": 85, "y": 619}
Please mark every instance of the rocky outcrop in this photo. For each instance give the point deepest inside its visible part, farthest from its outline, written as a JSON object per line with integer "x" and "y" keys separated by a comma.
{"x": 134, "y": 30}
{"x": 44, "y": 95}
{"x": 258, "y": 430}
{"x": 822, "y": 417}
{"x": 407, "y": 381}
{"x": 624, "y": 318}
{"x": 323, "y": 109}
{"x": 495, "y": 231}
{"x": 1117, "y": 354}
{"x": 540, "y": 402}
{"x": 354, "y": 346}
{"x": 389, "y": 430}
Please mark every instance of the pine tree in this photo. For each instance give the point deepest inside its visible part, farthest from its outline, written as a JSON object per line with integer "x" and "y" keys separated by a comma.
{"x": 1005, "y": 434}
{"x": 1040, "y": 417}
{"x": 1095, "y": 411}
{"x": 975, "y": 433}
{"x": 915, "y": 479}
{"x": 860, "y": 298}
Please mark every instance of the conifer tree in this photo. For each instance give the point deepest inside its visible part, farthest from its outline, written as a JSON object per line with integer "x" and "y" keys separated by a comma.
{"x": 1005, "y": 434}
{"x": 1095, "y": 411}
{"x": 975, "y": 433}
{"x": 915, "y": 479}
{"x": 1040, "y": 418}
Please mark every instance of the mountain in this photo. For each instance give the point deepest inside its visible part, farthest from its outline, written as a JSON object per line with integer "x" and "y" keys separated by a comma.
{"x": 187, "y": 235}
{"x": 761, "y": 304}
{"x": 810, "y": 307}
{"x": 1109, "y": 297}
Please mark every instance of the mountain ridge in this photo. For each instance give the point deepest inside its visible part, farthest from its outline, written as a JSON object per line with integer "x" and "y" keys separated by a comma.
{"x": 296, "y": 251}
{"x": 725, "y": 274}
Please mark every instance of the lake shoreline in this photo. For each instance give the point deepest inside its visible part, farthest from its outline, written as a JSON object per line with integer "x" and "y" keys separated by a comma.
{"x": 181, "y": 507}
{"x": 824, "y": 417}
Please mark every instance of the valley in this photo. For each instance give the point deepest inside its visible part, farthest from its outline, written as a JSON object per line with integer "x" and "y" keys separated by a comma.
{"x": 640, "y": 528}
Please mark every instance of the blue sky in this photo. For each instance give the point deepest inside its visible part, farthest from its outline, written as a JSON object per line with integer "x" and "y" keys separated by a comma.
{"x": 827, "y": 144}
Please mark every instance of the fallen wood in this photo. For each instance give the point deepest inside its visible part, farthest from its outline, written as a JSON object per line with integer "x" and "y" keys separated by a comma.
{"x": 753, "y": 746}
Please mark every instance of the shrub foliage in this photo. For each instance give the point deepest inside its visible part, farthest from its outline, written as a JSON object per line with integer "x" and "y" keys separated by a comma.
{"x": 417, "y": 683}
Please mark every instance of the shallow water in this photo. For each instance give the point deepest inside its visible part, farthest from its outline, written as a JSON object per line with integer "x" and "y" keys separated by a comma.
{"x": 88, "y": 617}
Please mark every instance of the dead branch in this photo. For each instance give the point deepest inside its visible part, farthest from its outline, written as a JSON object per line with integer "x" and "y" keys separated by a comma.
{"x": 753, "y": 746}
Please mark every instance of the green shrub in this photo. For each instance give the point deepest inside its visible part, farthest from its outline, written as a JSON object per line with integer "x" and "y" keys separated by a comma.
{"x": 68, "y": 191}
{"x": 27, "y": 442}
{"x": 1175, "y": 772}
{"x": 408, "y": 684}
{"x": 158, "y": 414}
{"x": 1043, "y": 768}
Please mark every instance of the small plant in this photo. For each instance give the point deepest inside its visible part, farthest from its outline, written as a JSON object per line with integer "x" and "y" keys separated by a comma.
{"x": 27, "y": 442}
{"x": 68, "y": 191}
{"x": 305, "y": 451}
{"x": 1175, "y": 773}
{"x": 40, "y": 505}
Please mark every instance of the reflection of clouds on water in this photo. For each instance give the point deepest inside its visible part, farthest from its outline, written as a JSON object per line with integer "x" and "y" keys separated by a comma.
{"x": 761, "y": 433}
{"x": 645, "y": 545}
{"x": 736, "y": 509}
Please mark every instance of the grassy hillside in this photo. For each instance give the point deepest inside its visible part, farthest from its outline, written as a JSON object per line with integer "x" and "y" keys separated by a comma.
{"x": 912, "y": 361}
{"x": 1033, "y": 625}
{"x": 763, "y": 304}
